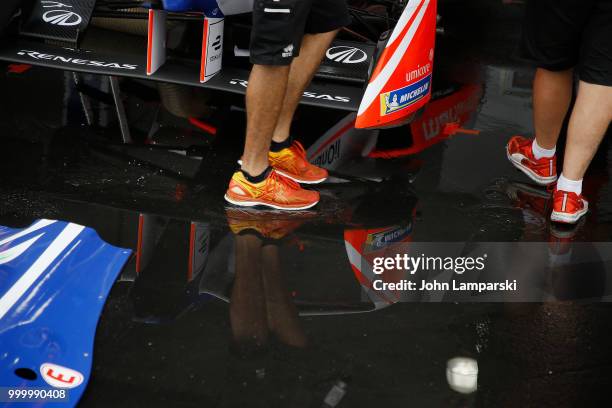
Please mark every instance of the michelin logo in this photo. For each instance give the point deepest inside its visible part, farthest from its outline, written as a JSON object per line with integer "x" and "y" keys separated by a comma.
{"x": 383, "y": 239}
{"x": 402, "y": 98}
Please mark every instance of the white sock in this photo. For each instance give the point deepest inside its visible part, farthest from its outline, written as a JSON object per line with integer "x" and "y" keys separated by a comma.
{"x": 571, "y": 186}
{"x": 540, "y": 152}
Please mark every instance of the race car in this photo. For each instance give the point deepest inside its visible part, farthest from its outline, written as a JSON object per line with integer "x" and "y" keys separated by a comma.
{"x": 380, "y": 67}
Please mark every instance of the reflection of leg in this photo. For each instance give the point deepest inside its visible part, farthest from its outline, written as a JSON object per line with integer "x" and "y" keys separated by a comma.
{"x": 282, "y": 314}
{"x": 590, "y": 119}
{"x": 247, "y": 306}
{"x": 303, "y": 69}
{"x": 552, "y": 94}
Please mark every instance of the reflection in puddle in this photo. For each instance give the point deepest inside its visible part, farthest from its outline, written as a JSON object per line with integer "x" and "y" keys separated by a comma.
{"x": 227, "y": 306}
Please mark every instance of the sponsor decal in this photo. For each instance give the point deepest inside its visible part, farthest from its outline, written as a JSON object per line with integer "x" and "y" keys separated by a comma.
{"x": 418, "y": 73}
{"x": 346, "y": 55}
{"x": 329, "y": 155}
{"x": 379, "y": 240}
{"x": 216, "y": 12}
{"x": 288, "y": 51}
{"x": 212, "y": 49}
{"x": 399, "y": 99}
{"x": 344, "y": 99}
{"x": 60, "y": 377}
{"x": 216, "y": 47}
{"x": 62, "y": 18}
{"x": 242, "y": 82}
{"x": 76, "y": 61}
{"x": 60, "y": 15}
{"x": 217, "y": 43}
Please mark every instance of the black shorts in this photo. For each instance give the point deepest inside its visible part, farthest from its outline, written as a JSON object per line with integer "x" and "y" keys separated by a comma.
{"x": 563, "y": 34}
{"x": 279, "y": 25}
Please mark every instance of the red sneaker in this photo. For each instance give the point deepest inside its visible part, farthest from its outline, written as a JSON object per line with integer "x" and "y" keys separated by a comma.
{"x": 542, "y": 171}
{"x": 568, "y": 207}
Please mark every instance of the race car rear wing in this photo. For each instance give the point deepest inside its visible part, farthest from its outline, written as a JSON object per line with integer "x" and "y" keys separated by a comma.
{"x": 320, "y": 93}
{"x": 399, "y": 85}
{"x": 53, "y": 36}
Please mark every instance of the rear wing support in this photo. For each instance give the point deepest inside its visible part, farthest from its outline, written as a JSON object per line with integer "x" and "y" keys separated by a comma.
{"x": 212, "y": 44}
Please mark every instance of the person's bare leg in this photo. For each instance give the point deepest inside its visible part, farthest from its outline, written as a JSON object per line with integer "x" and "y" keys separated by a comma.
{"x": 590, "y": 119}
{"x": 264, "y": 99}
{"x": 552, "y": 95}
{"x": 303, "y": 69}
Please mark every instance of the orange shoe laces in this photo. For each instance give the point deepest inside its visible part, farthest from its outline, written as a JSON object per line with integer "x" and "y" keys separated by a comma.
{"x": 299, "y": 149}
{"x": 278, "y": 178}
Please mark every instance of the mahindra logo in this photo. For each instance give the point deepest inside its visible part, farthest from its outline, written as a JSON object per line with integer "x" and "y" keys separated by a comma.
{"x": 346, "y": 55}
{"x": 62, "y": 18}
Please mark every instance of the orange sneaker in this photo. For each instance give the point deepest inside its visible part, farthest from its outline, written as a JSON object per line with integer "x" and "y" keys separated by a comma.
{"x": 276, "y": 191}
{"x": 568, "y": 207}
{"x": 291, "y": 162}
{"x": 543, "y": 171}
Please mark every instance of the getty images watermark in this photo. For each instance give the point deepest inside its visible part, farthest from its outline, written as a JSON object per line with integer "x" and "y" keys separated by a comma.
{"x": 422, "y": 263}
{"x": 487, "y": 271}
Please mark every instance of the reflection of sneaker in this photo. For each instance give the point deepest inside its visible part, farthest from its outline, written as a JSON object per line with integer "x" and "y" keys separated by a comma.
{"x": 268, "y": 223}
{"x": 529, "y": 197}
{"x": 568, "y": 207}
{"x": 564, "y": 232}
{"x": 275, "y": 191}
{"x": 542, "y": 171}
{"x": 291, "y": 162}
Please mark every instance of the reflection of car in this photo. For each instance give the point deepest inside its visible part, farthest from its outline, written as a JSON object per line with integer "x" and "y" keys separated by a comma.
{"x": 178, "y": 266}
{"x": 385, "y": 54}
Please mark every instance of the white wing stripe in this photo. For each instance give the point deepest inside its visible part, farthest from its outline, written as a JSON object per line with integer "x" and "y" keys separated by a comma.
{"x": 38, "y": 267}
{"x": 34, "y": 227}
{"x": 14, "y": 252}
{"x": 404, "y": 19}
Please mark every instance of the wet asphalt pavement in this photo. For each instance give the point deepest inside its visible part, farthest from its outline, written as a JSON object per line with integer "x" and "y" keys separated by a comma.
{"x": 232, "y": 308}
